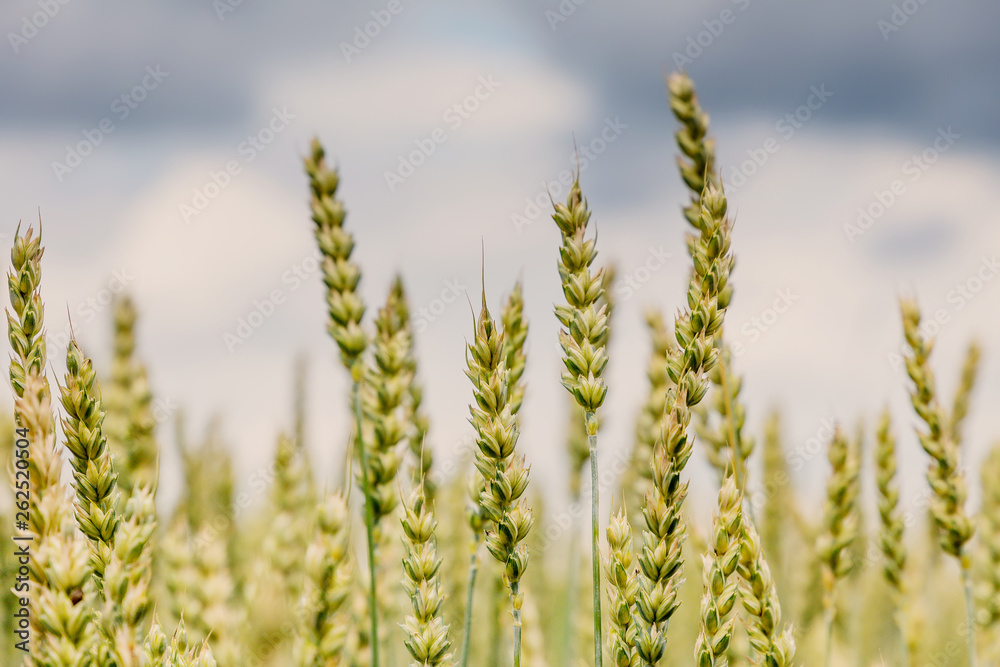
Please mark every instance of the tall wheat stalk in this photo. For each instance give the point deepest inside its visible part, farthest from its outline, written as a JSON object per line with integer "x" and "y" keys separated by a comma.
{"x": 840, "y": 527}
{"x": 583, "y": 340}
{"x": 504, "y": 475}
{"x": 954, "y": 527}
{"x": 346, "y": 309}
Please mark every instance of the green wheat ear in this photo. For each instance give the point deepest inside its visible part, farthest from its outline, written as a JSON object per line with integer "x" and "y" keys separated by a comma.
{"x": 427, "y": 635}
{"x": 840, "y": 525}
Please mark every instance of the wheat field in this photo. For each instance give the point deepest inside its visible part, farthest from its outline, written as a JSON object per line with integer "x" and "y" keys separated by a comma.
{"x": 401, "y": 564}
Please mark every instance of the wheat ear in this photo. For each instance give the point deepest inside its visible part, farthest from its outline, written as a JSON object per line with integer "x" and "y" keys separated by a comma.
{"x": 175, "y": 652}
{"x": 427, "y": 634}
{"x": 695, "y": 330}
{"x": 720, "y": 583}
{"x": 345, "y": 309}
{"x": 60, "y": 599}
{"x": 891, "y": 533}
{"x": 966, "y": 383}
{"x": 583, "y": 340}
{"x": 774, "y": 646}
{"x": 322, "y": 638}
{"x": 129, "y": 424}
{"x": 954, "y": 527}
{"x": 623, "y": 587}
{"x": 505, "y": 475}
{"x": 840, "y": 526}
{"x": 417, "y": 421}
{"x": 96, "y": 488}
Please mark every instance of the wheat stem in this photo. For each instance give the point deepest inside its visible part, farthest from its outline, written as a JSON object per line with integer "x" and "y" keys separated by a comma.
{"x": 595, "y": 535}
{"x": 970, "y": 610}
{"x": 469, "y": 596}
{"x": 369, "y": 516}
{"x": 514, "y": 592}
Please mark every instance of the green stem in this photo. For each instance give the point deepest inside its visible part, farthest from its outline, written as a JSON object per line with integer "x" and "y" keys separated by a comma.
{"x": 473, "y": 570}
{"x": 514, "y": 586}
{"x": 369, "y": 519}
{"x": 595, "y": 534}
{"x": 569, "y": 645}
{"x": 828, "y": 622}
{"x": 496, "y": 639}
{"x": 970, "y": 609}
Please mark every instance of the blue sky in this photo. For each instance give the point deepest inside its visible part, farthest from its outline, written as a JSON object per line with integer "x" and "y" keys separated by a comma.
{"x": 209, "y": 107}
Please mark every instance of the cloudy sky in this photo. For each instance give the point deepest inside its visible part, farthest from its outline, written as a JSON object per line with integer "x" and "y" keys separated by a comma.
{"x": 162, "y": 144}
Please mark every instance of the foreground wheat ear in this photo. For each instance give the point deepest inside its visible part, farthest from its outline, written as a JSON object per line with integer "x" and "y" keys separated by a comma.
{"x": 944, "y": 475}
{"x": 695, "y": 330}
{"x": 504, "y": 474}
{"x": 427, "y": 634}
{"x": 583, "y": 339}
{"x": 840, "y": 526}
{"x": 61, "y": 592}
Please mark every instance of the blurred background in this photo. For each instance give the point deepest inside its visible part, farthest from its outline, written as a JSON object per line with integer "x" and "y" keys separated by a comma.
{"x": 162, "y": 145}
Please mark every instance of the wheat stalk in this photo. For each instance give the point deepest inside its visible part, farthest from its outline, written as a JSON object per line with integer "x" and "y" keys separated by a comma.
{"x": 695, "y": 330}
{"x": 505, "y": 475}
{"x": 840, "y": 525}
{"x": 583, "y": 340}
{"x": 345, "y": 309}
{"x": 891, "y": 533}
{"x": 129, "y": 424}
{"x": 417, "y": 421}
{"x": 954, "y": 526}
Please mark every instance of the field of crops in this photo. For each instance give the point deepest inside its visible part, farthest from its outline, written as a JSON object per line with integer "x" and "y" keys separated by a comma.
{"x": 405, "y": 565}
